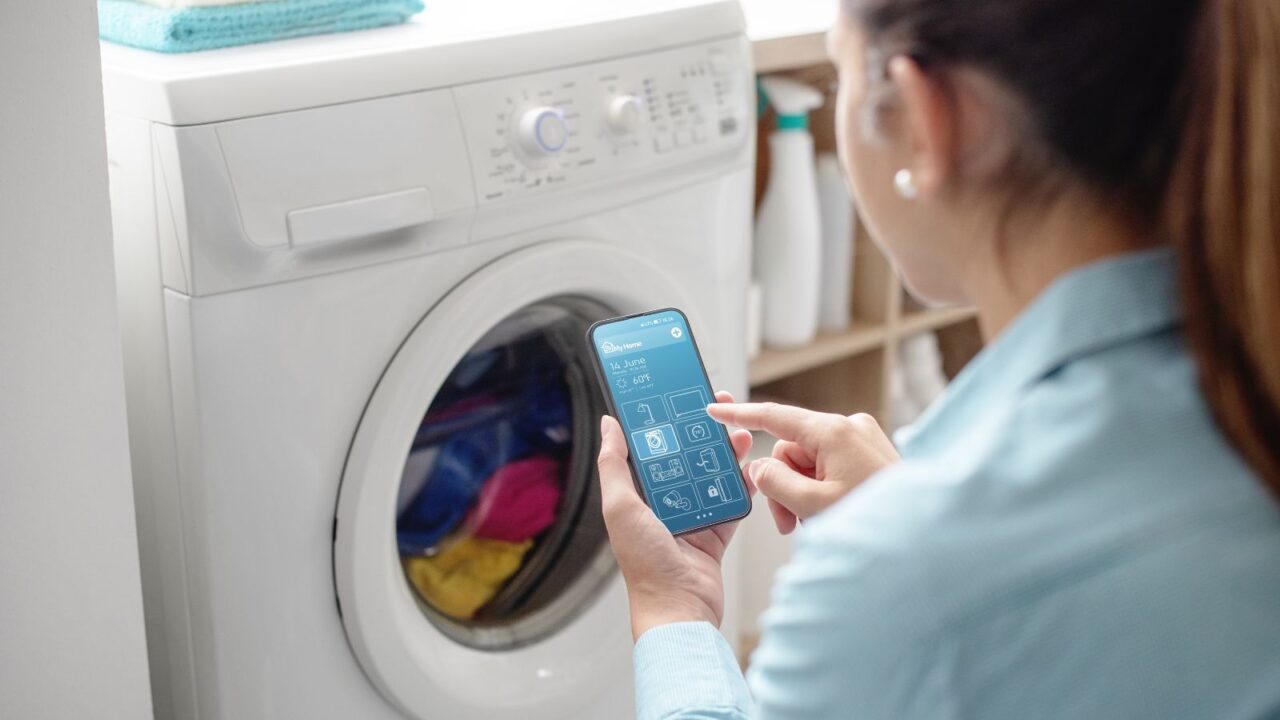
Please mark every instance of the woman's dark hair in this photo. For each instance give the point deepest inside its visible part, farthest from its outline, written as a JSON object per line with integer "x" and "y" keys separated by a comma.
{"x": 1170, "y": 109}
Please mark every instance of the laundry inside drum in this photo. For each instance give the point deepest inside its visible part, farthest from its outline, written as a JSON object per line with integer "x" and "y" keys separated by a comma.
{"x": 498, "y": 517}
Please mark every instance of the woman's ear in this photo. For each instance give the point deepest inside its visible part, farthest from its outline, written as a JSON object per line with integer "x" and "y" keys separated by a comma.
{"x": 929, "y": 121}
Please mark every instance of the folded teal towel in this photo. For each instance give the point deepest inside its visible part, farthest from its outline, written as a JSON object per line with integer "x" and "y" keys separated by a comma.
{"x": 175, "y": 30}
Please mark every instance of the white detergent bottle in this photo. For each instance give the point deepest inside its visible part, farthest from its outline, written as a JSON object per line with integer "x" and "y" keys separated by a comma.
{"x": 788, "y": 242}
{"x": 836, "y": 305}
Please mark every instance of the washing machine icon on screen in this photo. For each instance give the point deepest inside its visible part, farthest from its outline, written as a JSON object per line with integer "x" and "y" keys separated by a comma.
{"x": 654, "y": 442}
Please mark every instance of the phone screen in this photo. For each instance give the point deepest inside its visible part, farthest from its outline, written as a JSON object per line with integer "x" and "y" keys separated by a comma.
{"x": 658, "y": 390}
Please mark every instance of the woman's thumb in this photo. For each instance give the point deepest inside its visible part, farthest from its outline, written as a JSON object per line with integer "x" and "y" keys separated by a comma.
{"x": 617, "y": 490}
{"x": 798, "y": 493}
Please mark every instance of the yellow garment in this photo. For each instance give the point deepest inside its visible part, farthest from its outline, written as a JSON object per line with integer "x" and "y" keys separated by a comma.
{"x": 460, "y": 580}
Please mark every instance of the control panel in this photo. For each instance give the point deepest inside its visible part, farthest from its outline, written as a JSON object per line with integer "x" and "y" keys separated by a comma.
{"x": 531, "y": 134}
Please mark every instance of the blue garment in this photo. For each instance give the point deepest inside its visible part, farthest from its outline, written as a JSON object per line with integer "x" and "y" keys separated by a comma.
{"x": 1067, "y": 536}
{"x": 473, "y": 446}
{"x": 178, "y": 30}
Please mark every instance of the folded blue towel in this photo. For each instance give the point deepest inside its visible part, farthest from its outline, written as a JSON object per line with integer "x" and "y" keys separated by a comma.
{"x": 175, "y": 30}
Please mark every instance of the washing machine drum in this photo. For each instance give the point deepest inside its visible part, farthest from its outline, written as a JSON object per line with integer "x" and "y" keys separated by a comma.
{"x": 497, "y": 515}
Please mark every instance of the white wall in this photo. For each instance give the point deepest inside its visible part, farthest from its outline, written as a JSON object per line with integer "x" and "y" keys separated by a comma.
{"x": 71, "y": 630}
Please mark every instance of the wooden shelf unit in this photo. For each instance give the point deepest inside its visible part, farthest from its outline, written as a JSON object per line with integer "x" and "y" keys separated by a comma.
{"x": 848, "y": 370}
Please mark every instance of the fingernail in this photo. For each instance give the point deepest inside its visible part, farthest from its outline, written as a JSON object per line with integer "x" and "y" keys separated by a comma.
{"x": 603, "y": 423}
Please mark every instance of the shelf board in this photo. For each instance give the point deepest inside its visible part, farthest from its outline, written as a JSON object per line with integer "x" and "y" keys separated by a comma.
{"x": 789, "y": 53}
{"x": 921, "y": 320}
{"x": 775, "y": 363}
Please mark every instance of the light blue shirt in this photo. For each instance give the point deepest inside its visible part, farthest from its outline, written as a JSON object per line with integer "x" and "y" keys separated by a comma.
{"x": 1068, "y": 535}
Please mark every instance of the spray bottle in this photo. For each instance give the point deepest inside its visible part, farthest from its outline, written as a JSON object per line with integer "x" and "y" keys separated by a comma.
{"x": 788, "y": 252}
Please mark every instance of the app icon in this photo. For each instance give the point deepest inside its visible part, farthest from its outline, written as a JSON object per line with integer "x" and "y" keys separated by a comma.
{"x": 657, "y": 443}
{"x": 644, "y": 412}
{"x": 730, "y": 487}
{"x": 675, "y": 500}
{"x": 676, "y": 333}
{"x": 654, "y": 442}
{"x": 671, "y": 469}
{"x": 679, "y": 500}
{"x": 708, "y": 461}
{"x": 697, "y": 432}
{"x": 711, "y": 492}
{"x": 689, "y": 401}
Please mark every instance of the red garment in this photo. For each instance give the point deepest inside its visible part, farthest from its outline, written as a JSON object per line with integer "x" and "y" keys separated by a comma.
{"x": 518, "y": 501}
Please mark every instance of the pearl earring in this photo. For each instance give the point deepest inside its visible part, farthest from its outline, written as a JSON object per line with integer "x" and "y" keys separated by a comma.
{"x": 905, "y": 184}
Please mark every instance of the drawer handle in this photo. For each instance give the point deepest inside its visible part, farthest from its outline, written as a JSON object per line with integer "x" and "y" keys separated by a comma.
{"x": 359, "y": 218}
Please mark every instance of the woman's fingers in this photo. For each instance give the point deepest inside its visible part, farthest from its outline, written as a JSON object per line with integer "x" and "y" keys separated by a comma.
{"x": 617, "y": 491}
{"x": 792, "y": 454}
{"x": 805, "y": 427}
{"x": 741, "y": 441}
{"x": 784, "y": 519}
{"x": 869, "y": 430}
{"x": 800, "y": 461}
{"x": 798, "y": 493}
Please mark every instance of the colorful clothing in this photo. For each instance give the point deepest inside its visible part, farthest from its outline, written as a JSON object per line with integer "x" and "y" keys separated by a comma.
{"x": 460, "y": 580}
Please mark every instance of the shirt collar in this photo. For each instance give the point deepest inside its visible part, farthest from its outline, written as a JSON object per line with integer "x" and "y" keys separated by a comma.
{"x": 1086, "y": 310}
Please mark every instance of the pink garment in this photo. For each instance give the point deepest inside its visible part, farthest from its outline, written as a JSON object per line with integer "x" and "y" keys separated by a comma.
{"x": 518, "y": 501}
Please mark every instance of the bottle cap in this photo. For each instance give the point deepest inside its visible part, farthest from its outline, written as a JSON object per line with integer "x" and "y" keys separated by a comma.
{"x": 793, "y": 100}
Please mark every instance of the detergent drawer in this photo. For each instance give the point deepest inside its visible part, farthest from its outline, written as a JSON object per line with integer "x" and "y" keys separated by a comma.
{"x": 277, "y": 197}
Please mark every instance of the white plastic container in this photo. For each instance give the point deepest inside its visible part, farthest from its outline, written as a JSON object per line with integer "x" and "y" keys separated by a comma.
{"x": 836, "y": 288}
{"x": 921, "y": 363}
{"x": 903, "y": 410}
{"x": 755, "y": 306}
{"x": 788, "y": 252}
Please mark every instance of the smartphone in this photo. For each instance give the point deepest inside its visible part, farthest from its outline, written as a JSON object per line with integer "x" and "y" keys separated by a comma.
{"x": 655, "y": 384}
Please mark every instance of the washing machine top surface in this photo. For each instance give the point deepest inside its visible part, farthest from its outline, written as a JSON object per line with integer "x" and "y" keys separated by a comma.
{"x": 449, "y": 43}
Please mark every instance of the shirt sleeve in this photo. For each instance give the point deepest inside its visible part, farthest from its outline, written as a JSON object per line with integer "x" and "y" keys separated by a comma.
{"x": 846, "y": 634}
{"x": 686, "y": 671}
{"x": 842, "y": 636}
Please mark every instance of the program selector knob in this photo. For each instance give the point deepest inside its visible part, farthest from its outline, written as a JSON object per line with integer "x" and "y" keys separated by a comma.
{"x": 624, "y": 114}
{"x": 542, "y": 131}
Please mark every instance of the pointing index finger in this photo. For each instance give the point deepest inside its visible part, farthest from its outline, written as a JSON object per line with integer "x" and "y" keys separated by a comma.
{"x": 781, "y": 421}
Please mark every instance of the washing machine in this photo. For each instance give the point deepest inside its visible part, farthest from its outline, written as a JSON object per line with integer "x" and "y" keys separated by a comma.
{"x": 354, "y": 276}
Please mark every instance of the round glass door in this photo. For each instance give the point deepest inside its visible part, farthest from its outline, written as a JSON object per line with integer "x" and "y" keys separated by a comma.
{"x": 498, "y": 526}
{"x": 471, "y": 568}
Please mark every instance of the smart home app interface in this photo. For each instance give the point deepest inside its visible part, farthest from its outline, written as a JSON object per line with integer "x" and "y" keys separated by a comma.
{"x": 660, "y": 394}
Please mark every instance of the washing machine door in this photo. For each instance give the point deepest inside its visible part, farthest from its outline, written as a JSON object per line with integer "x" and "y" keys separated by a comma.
{"x": 472, "y": 568}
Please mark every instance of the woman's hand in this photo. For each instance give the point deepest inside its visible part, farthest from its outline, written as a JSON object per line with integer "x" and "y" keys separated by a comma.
{"x": 669, "y": 579}
{"x": 818, "y": 458}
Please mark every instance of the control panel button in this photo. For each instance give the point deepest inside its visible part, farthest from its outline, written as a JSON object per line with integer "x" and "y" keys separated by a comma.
{"x": 624, "y": 114}
{"x": 542, "y": 131}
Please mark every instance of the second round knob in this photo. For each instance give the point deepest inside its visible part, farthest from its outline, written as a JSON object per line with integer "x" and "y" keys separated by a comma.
{"x": 624, "y": 114}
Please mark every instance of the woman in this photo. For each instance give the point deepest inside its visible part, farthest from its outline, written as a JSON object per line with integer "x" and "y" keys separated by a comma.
{"x": 1086, "y": 524}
